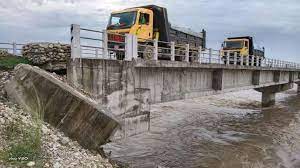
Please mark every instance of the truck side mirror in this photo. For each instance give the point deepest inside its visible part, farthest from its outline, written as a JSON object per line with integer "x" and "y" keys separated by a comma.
{"x": 222, "y": 45}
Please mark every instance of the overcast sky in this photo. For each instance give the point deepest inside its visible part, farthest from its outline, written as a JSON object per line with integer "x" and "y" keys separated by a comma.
{"x": 274, "y": 24}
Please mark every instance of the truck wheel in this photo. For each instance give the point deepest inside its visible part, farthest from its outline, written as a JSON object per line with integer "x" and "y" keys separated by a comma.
{"x": 148, "y": 53}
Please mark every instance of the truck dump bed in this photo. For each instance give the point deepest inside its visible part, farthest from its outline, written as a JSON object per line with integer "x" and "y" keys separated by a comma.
{"x": 186, "y": 36}
{"x": 176, "y": 34}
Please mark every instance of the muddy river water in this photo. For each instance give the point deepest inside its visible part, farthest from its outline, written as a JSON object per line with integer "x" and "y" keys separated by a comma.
{"x": 220, "y": 131}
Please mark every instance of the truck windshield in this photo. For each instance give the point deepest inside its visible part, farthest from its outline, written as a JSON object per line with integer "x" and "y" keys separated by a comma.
{"x": 122, "y": 20}
{"x": 233, "y": 44}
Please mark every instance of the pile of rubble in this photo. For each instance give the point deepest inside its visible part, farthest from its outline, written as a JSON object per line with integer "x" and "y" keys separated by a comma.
{"x": 4, "y": 53}
{"x": 4, "y": 77}
{"x": 47, "y": 53}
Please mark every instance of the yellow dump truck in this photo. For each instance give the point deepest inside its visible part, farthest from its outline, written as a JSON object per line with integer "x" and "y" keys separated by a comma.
{"x": 244, "y": 50}
{"x": 149, "y": 23}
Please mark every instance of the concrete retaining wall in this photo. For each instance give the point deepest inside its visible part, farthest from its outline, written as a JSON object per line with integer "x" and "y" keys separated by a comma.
{"x": 78, "y": 116}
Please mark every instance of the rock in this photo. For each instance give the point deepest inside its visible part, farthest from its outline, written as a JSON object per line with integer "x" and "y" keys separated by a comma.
{"x": 54, "y": 137}
{"x": 57, "y": 165}
{"x": 45, "y": 53}
{"x": 45, "y": 129}
{"x": 2, "y": 121}
{"x": 64, "y": 141}
{"x": 4, "y": 53}
{"x": 30, "y": 164}
{"x": 46, "y": 165}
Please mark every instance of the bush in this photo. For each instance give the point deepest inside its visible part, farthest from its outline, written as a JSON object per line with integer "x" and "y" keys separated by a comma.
{"x": 9, "y": 62}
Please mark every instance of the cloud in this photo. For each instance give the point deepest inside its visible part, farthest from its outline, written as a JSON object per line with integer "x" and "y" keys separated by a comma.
{"x": 275, "y": 24}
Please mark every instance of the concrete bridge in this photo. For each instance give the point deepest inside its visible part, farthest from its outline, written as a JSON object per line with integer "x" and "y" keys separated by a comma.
{"x": 128, "y": 87}
{"x": 168, "y": 81}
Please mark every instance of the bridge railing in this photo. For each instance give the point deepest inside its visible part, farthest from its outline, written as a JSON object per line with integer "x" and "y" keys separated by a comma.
{"x": 129, "y": 47}
{"x": 13, "y": 48}
{"x": 89, "y": 43}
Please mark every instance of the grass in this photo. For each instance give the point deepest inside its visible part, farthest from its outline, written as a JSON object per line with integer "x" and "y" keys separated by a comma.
{"x": 9, "y": 62}
{"x": 24, "y": 144}
{"x": 24, "y": 139}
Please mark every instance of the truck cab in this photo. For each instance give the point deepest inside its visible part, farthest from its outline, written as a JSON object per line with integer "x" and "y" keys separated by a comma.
{"x": 241, "y": 47}
{"x": 238, "y": 46}
{"x": 136, "y": 21}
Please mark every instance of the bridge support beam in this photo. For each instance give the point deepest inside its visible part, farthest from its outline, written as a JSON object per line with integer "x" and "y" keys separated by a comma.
{"x": 269, "y": 92}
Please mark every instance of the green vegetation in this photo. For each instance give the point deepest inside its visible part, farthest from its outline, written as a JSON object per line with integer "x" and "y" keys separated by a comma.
{"x": 9, "y": 62}
{"x": 24, "y": 144}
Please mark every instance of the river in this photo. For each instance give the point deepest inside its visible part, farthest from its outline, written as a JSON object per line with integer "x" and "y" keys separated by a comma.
{"x": 220, "y": 131}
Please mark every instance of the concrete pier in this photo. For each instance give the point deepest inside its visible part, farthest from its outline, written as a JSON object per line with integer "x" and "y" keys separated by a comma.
{"x": 268, "y": 93}
{"x": 268, "y": 99}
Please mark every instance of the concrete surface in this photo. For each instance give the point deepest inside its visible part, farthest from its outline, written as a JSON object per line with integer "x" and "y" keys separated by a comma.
{"x": 77, "y": 115}
{"x": 112, "y": 84}
{"x": 171, "y": 80}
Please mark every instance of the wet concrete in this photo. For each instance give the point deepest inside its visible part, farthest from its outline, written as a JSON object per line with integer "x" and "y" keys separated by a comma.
{"x": 222, "y": 131}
